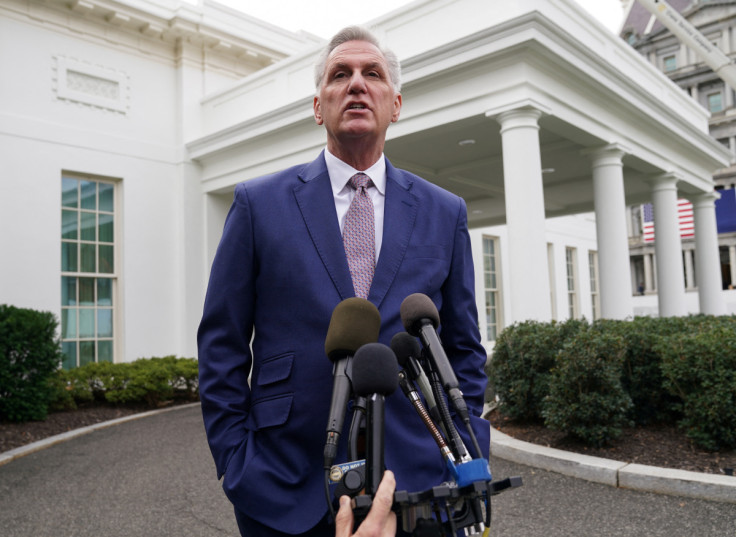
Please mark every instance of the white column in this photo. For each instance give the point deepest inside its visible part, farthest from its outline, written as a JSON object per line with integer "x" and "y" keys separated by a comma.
{"x": 668, "y": 248}
{"x": 689, "y": 269}
{"x": 525, "y": 218}
{"x": 708, "y": 260}
{"x": 613, "y": 244}
{"x": 732, "y": 262}
{"x": 648, "y": 274}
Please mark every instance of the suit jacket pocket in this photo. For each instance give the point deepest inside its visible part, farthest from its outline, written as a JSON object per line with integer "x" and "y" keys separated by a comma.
{"x": 275, "y": 369}
{"x": 270, "y": 412}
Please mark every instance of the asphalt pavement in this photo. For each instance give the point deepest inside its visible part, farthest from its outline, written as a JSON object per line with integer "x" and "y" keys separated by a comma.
{"x": 154, "y": 477}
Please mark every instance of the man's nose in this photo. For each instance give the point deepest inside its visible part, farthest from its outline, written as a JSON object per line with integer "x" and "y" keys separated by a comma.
{"x": 357, "y": 83}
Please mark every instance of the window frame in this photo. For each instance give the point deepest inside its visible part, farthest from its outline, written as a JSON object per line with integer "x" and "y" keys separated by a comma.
{"x": 89, "y": 301}
{"x": 493, "y": 318}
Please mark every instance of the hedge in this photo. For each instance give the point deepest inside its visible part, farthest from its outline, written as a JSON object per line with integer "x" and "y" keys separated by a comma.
{"x": 29, "y": 355}
{"x": 589, "y": 380}
{"x": 147, "y": 382}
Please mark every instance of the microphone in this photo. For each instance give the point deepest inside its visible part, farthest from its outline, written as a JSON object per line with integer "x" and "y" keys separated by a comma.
{"x": 354, "y": 322}
{"x": 421, "y": 319}
{"x": 375, "y": 375}
{"x": 411, "y": 393}
{"x": 407, "y": 351}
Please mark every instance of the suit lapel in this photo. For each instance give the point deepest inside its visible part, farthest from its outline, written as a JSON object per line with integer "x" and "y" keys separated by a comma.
{"x": 400, "y": 213}
{"x": 315, "y": 200}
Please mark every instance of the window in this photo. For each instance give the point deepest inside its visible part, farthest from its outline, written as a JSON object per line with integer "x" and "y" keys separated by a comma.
{"x": 88, "y": 279}
{"x": 594, "y": 292}
{"x": 669, "y": 63}
{"x": 572, "y": 277}
{"x": 491, "y": 286}
{"x": 715, "y": 102}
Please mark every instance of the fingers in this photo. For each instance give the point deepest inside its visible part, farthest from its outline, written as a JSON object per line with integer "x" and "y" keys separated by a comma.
{"x": 381, "y": 521}
{"x": 344, "y": 518}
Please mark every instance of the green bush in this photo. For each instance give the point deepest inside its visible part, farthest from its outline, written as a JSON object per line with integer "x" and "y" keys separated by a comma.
{"x": 586, "y": 398}
{"x": 29, "y": 355}
{"x": 700, "y": 368}
{"x": 148, "y": 382}
{"x": 520, "y": 367}
{"x": 641, "y": 374}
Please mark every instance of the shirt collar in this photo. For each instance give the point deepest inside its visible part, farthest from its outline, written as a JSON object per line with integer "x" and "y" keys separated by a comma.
{"x": 340, "y": 172}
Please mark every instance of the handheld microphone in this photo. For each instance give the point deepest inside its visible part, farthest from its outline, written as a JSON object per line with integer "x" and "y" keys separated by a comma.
{"x": 354, "y": 322}
{"x": 421, "y": 318}
{"x": 411, "y": 393}
{"x": 407, "y": 351}
{"x": 375, "y": 375}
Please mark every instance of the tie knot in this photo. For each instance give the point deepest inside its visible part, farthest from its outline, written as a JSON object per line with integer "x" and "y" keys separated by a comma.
{"x": 360, "y": 180}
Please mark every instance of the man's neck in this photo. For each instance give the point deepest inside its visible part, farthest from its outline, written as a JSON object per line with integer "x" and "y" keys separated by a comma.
{"x": 359, "y": 155}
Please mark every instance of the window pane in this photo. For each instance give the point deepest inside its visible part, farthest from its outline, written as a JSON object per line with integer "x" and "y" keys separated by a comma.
{"x": 104, "y": 351}
{"x": 106, "y": 197}
{"x": 87, "y": 291}
{"x": 68, "y": 291}
{"x": 69, "y": 192}
{"x": 69, "y": 348}
{"x": 69, "y": 257}
{"x": 87, "y": 258}
{"x": 105, "y": 223}
{"x": 87, "y": 225}
{"x": 86, "y": 352}
{"x": 104, "y": 292}
{"x": 69, "y": 323}
{"x": 107, "y": 265}
{"x": 86, "y": 323}
{"x": 88, "y": 190}
{"x": 104, "y": 323}
{"x": 69, "y": 224}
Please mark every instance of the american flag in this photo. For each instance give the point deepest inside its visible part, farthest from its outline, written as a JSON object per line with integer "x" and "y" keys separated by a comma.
{"x": 684, "y": 216}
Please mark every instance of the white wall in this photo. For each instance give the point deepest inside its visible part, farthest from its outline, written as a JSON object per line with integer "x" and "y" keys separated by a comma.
{"x": 42, "y": 135}
{"x": 576, "y": 231}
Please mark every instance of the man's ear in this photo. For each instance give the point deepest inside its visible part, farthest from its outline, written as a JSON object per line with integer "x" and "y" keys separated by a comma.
{"x": 317, "y": 111}
{"x": 397, "y": 108}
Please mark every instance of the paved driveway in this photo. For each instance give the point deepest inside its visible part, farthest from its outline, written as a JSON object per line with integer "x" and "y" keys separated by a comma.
{"x": 154, "y": 477}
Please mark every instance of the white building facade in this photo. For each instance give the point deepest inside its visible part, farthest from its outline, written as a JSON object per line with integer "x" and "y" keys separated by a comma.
{"x": 126, "y": 125}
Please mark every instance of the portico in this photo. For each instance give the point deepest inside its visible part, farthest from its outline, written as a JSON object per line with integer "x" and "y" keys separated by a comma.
{"x": 533, "y": 112}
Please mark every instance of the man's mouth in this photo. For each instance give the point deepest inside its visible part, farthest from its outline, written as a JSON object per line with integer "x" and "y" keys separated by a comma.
{"x": 357, "y": 106}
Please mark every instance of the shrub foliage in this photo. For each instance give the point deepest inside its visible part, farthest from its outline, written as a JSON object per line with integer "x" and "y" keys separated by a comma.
{"x": 523, "y": 358}
{"x": 29, "y": 355}
{"x": 586, "y": 398}
{"x": 147, "y": 382}
{"x": 591, "y": 380}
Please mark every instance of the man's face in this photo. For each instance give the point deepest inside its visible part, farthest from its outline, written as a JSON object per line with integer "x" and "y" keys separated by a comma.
{"x": 356, "y": 98}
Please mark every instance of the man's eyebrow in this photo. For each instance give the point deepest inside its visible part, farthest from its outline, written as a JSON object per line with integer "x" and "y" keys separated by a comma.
{"x": 344, "y": 65}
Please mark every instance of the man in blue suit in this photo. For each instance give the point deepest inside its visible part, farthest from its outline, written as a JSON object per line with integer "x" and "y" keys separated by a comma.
{"x": 280, "y": 270}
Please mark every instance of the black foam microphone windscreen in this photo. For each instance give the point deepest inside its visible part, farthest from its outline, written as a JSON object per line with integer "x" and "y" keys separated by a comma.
{"x": 354, "y": 322}
{"x": 375, "y": 370}
{"x": 405, "y": 347}
{"x": 415, "y": 310}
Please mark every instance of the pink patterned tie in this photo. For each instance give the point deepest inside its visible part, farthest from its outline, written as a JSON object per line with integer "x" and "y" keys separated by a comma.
{"x": 358, "y": 236}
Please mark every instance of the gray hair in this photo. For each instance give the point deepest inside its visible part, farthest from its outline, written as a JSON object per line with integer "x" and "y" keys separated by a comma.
{"x": 357, "y": 33}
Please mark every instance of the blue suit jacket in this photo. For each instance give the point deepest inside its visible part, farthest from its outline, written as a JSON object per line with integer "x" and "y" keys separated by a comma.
{"x": 279, "y": 272}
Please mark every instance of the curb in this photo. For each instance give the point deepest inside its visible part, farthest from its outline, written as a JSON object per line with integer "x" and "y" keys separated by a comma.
{"x": 720, "y": 488}
{"x": 22, "y": 451}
